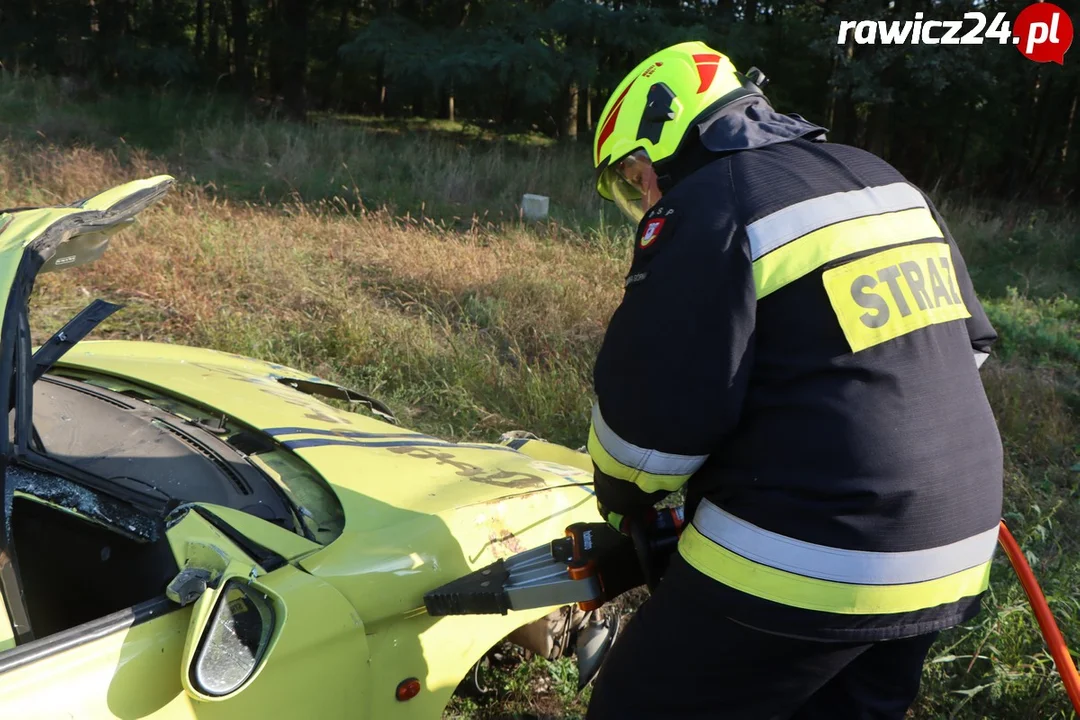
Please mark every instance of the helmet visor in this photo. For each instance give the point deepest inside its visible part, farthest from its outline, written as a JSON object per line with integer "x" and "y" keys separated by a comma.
{"x": 631, "y": 182}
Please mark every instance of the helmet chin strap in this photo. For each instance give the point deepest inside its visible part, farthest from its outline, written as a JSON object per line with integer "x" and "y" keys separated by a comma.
{"x": 691, "y": 156}
{"x": 665, "y": 181}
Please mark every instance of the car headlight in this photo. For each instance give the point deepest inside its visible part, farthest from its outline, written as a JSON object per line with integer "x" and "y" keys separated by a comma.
{"x": 235, "y": 640}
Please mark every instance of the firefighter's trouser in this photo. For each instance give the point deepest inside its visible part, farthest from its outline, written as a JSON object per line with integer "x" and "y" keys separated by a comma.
{"x": 680, "y": 657}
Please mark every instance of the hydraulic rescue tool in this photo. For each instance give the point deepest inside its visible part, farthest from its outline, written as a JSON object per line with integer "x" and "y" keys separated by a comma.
{"x": 595, "y": 563}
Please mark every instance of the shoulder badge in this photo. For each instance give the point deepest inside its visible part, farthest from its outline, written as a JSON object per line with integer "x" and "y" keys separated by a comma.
{"x": 651, "y": 232}
{"x": 654, "y": 225}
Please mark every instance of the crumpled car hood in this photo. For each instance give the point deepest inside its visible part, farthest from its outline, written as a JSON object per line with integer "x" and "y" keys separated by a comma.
{"x": 374, "y": 465}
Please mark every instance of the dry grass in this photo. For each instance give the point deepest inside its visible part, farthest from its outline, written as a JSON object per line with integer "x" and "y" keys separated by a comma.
{"x": 441, "y": 320}
{"x": 442, "y": 170}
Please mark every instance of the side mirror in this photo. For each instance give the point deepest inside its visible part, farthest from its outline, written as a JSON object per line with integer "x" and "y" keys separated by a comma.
{"x": 231, "y": 634}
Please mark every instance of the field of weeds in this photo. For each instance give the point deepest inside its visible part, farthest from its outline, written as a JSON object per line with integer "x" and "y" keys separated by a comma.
{"x": 392, "y": 258}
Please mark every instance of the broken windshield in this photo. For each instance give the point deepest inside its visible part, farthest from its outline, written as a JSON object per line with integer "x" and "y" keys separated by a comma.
{"x": 317, "y": 513}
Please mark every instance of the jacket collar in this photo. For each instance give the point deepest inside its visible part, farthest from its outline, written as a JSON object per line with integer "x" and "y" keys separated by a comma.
{"x": 751, "y": 123}
{"x": 746, "y": 124}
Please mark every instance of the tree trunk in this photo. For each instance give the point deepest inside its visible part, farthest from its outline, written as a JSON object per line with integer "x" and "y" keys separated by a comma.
{"x": 1022, "y": 148}
{"x": 957, "y": 171}
{"x": 1037, "y": 145}
{"x": 276, "y": 59}
{"x": 877, "y": 129}
{"x": 157, "y": 24}
{"x": 751, "y": 9}
{"x": 570, "y": 122}
{"x": 588, "y": 107}
{"x": 1063, "y": 187}
{"x": 725, "y": 11}
{"x": 834, "y": 93}
{"x": 1068, "y": 130}
{"x": 238, "y": 31}
{"x": 294, "y": 18}
{"x": 845, "y": 119}
{"x": 508, "y": 107}
{"x": 333, "y": 64}
{"x": 109, "y": 30}
{"x": 450, "y": 103}
{"x": 200, "y": 39}
{"x": 380, "y": 85}
{"x": 212, "y": 38}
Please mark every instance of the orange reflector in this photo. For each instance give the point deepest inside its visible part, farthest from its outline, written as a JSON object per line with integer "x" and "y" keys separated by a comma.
{"x": 407, "y": 689}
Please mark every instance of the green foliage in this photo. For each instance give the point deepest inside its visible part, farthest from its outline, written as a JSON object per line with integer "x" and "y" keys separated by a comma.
{"x": 979, "y": 117}
{"x": 1040, "y": 330}
{"x": 522, "y": 689}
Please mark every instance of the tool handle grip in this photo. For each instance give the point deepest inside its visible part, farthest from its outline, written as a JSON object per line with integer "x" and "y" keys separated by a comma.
{"x": 668, "y": 521}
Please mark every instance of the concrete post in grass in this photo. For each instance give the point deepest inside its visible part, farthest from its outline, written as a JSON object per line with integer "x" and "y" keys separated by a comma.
{"x": 534, "y": 207}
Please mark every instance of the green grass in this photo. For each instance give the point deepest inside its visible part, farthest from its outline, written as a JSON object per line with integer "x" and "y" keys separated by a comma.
{"x": 389, "y": 256}
{"x": 516, "y": 686}
{"x": 448, "y": 172}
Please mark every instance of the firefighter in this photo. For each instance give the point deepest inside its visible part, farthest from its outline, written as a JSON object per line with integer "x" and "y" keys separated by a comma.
{"x": 797, "y": 348}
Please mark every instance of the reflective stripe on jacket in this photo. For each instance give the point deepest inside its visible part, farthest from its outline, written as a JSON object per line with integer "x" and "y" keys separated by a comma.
{"x": 798, "y": 346}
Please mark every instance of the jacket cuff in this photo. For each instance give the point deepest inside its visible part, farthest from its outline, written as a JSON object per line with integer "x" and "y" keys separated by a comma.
{"x": 622, "y": 497}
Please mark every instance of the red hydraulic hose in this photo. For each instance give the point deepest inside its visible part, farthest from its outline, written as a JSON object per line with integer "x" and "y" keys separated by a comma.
{"x": 1054, "y": 640}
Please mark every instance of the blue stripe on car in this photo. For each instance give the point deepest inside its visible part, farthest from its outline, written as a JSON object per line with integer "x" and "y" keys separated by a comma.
{"x": 322, "y": 442}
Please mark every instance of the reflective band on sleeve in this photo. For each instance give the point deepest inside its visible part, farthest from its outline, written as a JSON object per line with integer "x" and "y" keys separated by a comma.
{"x": 797, "y": 258}
{"x": 794, "y": 221}
{"x": 798, "y": 591}
{"x": 846, "y": 566}
{"x": 651, "y": 461}
{"x": 613, "y": 468}
{"x": 650, "y": 469}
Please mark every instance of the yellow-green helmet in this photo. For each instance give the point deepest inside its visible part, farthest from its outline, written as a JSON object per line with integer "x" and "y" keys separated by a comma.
{"x": 658, "y": 102}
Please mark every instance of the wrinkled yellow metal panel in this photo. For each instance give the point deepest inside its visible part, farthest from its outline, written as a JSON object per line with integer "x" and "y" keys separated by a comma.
{"x": 19, "y": 229}
{"x": 379, "y": 468}
{"x": 420, "y": 511}
{"x": 316, "y": 667}
{"x": 388, "y": 586}
{"x": 131, "y": 673}
{"x": 284, "y": 542}
{"x": 317, "y": 664}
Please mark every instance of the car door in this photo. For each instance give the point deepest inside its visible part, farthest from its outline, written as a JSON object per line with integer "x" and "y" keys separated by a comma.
{"x": 242, "y": 632}
{"x": 165, "y": 659}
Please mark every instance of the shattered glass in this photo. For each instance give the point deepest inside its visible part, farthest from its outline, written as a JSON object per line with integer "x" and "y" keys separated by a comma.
{"x": 234, "y": 640}
{"x": 72, "y": 497}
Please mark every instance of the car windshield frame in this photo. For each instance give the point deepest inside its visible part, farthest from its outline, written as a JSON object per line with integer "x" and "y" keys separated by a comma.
{"x": 14, "y": 356}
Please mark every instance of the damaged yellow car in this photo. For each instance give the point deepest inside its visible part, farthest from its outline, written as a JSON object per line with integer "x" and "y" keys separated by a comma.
{"x": 192, "y": 534}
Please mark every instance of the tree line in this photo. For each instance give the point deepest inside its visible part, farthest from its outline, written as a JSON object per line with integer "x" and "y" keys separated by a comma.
{"x": 977, "y": 117}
